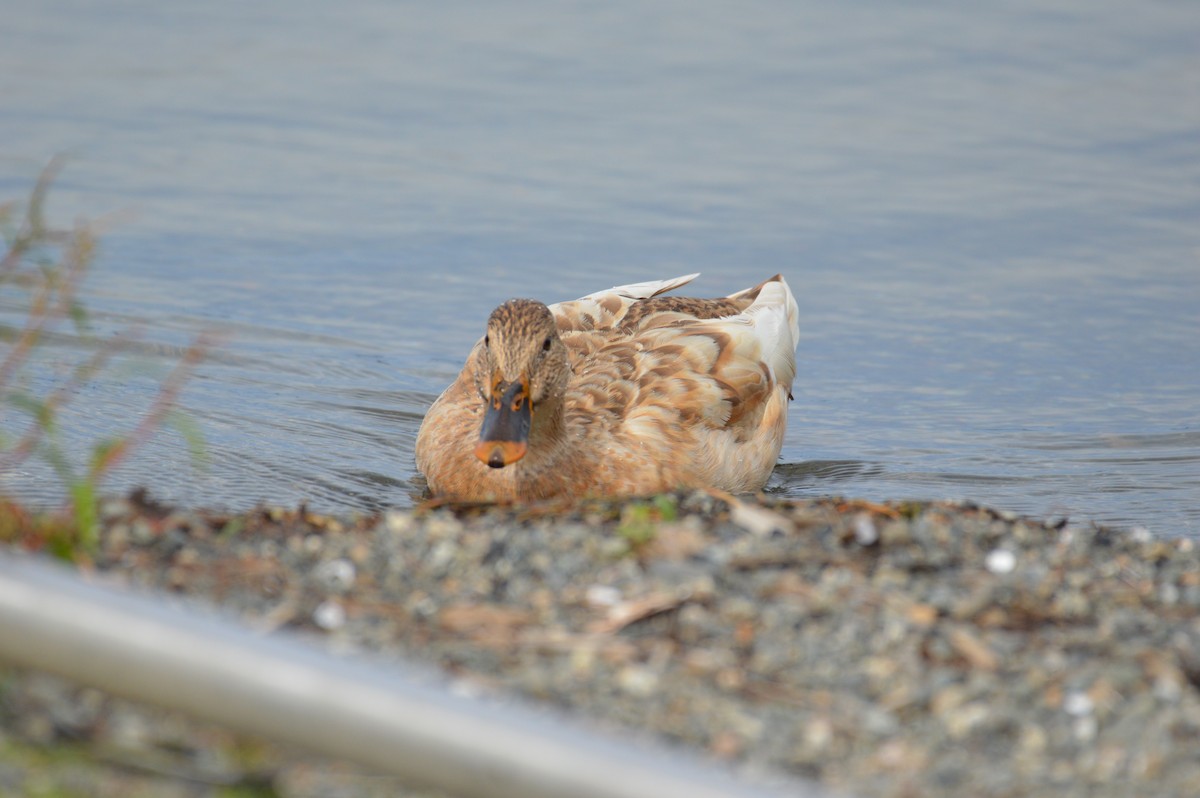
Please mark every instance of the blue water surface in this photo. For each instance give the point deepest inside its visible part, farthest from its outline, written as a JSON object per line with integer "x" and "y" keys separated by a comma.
{"x": 989, "y": 215}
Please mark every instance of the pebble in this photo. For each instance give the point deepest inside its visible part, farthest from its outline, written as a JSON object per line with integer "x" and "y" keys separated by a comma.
{"x": 398, "y": 522}
{"x": 637, "y": 680}
{"x": 336, "y": 576}
{"x": 1078, "y": 703}
{"x": 1000, "y": 561}
{"x": 329, "y": 615}
{"x": 141, "y": 532}
{"x": 865, "y": 533}
{"x": 602, "y": 596}
{"x": 1140, "y": 534}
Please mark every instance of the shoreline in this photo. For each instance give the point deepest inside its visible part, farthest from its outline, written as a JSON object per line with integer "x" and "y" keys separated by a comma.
{"x": 880, "y": 649}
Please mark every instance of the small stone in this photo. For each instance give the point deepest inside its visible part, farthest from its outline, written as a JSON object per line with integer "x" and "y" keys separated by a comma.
{"x": 637, "y": 680}
{"x": 1168, "y": 594}
{"x": 1000, "y": 561}
{"x": 329, "y": 615}
{"x": 1073, "y": 604}
{"x": 422, "y": 606}
{"x": 708, "y": 660}
{"x": 972, "y": 649}
{"x": 583, "y": 661}
{"x": 602, "y": 596}
{"x": 443, "y": 525}
{"x": 865, "y": 533}
{"x": 759, "y": 520}
{"x": 141, "y": 531}
{"x": 922, "y": 615}
{"x": 947, "y": 699}
{"x": 129, "y": 730}
{"x": 900, "y": 755}
{"x": 336, "y": 575}
{"x": 117, "y": 538}
{"x": 730, "y": 678}
{"x": 880, "y": 670}
{"x": 1078, "y": 703}
{"x": 614, "y": 548}
{"x": 896, "y": 533}
{"x": 818, "y": 734}
{"x": 360, "y": 554}
{"x": 1033, "y": 739}
{"x": 1085, "y": 728}
{"x": 960, "y": 722}
{"x": 112, "y": 509}
{"x": 442, "y": 555}
{"x": 880, "y": 722}
{"x": 726, "y": 745}
{"x": 397, "y": 522}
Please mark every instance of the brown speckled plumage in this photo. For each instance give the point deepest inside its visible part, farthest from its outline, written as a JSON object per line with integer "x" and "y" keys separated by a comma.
{"x": 631, "y": 393}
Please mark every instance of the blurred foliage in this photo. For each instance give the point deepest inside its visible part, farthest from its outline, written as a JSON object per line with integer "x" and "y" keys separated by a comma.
{"x": 640, "y": 518}
{"x": 41, "y": 273}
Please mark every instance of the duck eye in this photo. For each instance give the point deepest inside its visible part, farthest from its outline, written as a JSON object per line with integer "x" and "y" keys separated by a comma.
{"x": 486, "y": 340}
{"x": 546, "y": 344}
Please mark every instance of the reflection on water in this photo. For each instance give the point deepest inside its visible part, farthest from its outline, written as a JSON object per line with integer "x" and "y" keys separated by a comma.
{"x": 987, "y": 214}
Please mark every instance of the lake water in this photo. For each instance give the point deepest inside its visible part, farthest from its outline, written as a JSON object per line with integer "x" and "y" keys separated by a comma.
{"x": 990, "y": 215}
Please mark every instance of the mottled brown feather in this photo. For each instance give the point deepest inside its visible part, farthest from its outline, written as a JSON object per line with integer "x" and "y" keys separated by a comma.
{"x": 683, "y": 307}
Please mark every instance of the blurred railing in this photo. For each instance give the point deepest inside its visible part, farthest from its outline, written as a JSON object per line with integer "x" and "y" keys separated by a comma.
{"x": 281, "y": 688}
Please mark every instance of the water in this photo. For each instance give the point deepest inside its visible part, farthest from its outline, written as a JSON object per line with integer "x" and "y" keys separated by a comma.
{"x": 989, "y": 216}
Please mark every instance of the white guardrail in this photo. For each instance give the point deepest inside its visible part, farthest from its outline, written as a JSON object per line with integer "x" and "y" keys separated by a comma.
{"x": 136, "y": 646}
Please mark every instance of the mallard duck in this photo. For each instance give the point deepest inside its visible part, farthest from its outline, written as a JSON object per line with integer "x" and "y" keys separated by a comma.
{"x": 622, "y": 392}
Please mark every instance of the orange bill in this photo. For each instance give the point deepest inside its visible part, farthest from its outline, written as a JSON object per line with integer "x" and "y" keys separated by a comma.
{"x": 504, "y": 435}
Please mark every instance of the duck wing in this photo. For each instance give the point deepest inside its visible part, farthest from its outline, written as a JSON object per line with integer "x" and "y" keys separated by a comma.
{"x": 606, "y": 310}
{"x": 730, "y": 363}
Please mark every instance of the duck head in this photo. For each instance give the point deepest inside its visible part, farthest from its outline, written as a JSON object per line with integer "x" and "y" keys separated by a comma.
{"x": 522, "y": 370}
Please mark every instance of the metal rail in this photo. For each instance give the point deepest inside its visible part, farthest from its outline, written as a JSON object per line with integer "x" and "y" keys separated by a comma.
{"x": 280, "y": 688}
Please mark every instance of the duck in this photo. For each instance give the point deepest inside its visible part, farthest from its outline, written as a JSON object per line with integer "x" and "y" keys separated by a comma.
{"x": 622, "y": 392}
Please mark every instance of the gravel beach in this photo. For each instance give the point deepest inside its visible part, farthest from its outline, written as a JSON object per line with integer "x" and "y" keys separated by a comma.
{"x": 915, "y": 649}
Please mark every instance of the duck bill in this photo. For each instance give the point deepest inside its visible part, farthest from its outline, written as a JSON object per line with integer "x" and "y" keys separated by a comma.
{"x": 504, "y": 436}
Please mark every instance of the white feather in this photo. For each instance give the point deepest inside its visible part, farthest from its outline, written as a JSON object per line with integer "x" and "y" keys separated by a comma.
{"x": 645, "y": 290}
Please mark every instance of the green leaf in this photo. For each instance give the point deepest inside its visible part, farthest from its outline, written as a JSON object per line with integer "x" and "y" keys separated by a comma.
{"x": 83, "y": 499}
{"x": 100, "y": 453}
{"x": 79, "y": 317}
{"x": 58, "y": 461}
{"x": 233, "y": 527}
{"x": 62, "y": 547}
{"x": 667, "y": 506}
{"x": 189, "y": 430}
{"x": 42, "y": 412}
